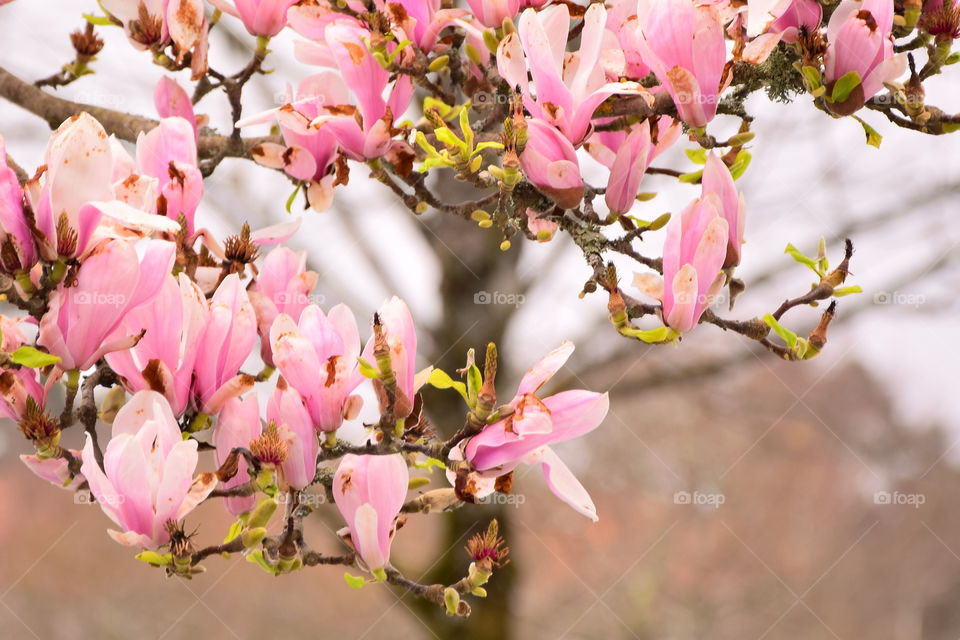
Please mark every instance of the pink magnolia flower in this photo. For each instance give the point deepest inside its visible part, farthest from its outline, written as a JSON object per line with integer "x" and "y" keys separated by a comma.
{"x": 318, "y": 358}
{"x": 309, "y": 153}
{"x": 371, "y": 136}
{"x": 286, "y": 409}
{"x": 859, "y": 40}
{"x": 549, "y": 161}
{"x": 567, "y": 87}
{"x": 260, "y": 17}
{"x": 401, "y": 337}
{"x": 18, "y": 252}
{"x": 682, "y": 43}
{"x": 792, "y": 15}
{"x": 78, "y": 191}
{"x": 79, "y": 168}
{"x": 283, "y": 286}
{"x": 147, "y": 477}
{"x": 16, "y": 385}
{"x": 56, "y": 471}
{"x": 237, "y": 425}
{"x": 163, "y": 359}
{"x": 226, "y": 341}
{"x": 628, "y": 155}
{"x": 717, "y": 180}
{"x": 693, "y": 256}
{"x": 81, "y": 320}
{"x": 370, "y": 491}
{"x": 421, "y": 21}
{"x": 169, "y": 153}
{"x": 155, "y": 23}
{"x": 525, "y": 436}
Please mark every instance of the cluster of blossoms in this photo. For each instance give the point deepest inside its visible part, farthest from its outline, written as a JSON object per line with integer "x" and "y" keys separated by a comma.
{"x": 123, "y": 289}
{"x": 103, "y": 253}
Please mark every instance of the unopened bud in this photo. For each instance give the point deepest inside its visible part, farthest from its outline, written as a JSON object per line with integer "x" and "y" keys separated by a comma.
{"x": 451, "y": 598}
{"x": 439, "y": 63}
{"x": 740, "y": 139}
{"x": 262, "y": 513}
{"x": 490, "y": 39}
{"x": 253, "y": 537}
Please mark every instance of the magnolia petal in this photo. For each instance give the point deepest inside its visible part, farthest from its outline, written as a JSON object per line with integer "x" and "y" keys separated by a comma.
{"x": 564, "y": 484}
{"x": 365, "y": 537}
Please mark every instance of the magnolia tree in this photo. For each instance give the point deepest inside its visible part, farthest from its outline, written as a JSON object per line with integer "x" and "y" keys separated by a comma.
{"x": 168, "y": 341}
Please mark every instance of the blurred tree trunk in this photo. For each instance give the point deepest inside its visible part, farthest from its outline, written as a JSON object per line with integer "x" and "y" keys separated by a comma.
{"x": 470, "y": 263}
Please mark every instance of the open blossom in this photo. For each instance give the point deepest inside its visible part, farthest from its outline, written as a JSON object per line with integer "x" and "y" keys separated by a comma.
{"x": 17, "y": 248}
{"x": 260, "y": 17}
{"x": 549, "y": 161}
{"x": 155, "y": 23}
{"x": 372, "y": 136}
{"x": 147, "y": 477}
{"x": 400, "y": 336}
{"x": 682, "y": 43}
{"x": 369, "y": 492}
{"x": 859, "y": 40}
{"x": 237, "y": 426}
{"x": 77, "y": 191}
{"x": 718, "y": 180}
{"x": 318, "y": 358}
{"x": 525, "y": 435}
{"x": 693, "y": 256}
{"x": 286, "y": 410}
{"x": 163, "y": 359}
{"x": 309, "y": 153}
{"x": 283, "y": 286}
{"x": 567, "y": 87}
{"x": 81, "y": 320}
{"x": 79, "y": 169}
{"x": 227, "y": 339}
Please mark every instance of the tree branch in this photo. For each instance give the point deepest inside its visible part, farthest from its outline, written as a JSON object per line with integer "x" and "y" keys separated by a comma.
{"x": 126, "y": 126}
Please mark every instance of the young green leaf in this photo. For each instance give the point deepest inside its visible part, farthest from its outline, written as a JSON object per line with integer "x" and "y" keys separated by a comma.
{"x": 28, "y": 356}
{"x": 788, "y": 336}
{"x": 441, "y": 380}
